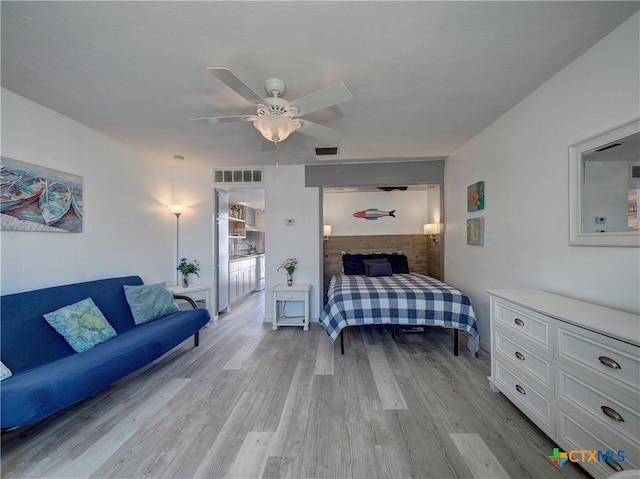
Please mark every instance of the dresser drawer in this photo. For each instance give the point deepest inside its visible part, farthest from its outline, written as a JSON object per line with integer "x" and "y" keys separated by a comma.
{"x": 528, "y": 325}
{"x": 521, "y": 390}
{"x": 290, "y": 295}
{"x": 577, "y": 433}
{"x": 605, "y": 405}
{"x": 613, "y": 362}
{"x": 537, "y": 365}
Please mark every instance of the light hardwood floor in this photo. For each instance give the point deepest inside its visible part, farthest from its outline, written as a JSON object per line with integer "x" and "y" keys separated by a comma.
{"x": 254, "y": 403}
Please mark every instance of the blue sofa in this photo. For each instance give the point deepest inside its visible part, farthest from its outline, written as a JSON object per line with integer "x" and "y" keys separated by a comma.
{"x": 48, "y": 375}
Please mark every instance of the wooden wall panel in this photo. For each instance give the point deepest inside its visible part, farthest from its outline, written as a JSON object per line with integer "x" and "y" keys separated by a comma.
{"x": 416, "y": 247}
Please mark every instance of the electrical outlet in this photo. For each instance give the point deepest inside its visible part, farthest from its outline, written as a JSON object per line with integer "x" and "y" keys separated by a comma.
{"x": 600, "y": 220}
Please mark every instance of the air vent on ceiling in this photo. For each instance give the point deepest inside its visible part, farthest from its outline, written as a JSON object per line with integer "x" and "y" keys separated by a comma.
{"x": 635, "y": 172}
{"x": 238, "y": 176}
{"x": 326, "y": 150}
{"x": 391, "y": 188}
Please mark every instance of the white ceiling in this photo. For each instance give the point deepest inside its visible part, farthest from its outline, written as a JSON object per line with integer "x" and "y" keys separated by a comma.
{"x": 426, "y": 76}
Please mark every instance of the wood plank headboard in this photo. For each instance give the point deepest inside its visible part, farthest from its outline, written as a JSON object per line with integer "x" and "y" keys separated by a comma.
{"x": 422, "y": 253}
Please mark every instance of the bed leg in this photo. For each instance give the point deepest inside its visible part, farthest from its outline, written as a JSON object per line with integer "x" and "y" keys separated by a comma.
{"x": 342, "y": 342}
{"x": 455, "y": 342}
{"x": 393, "y": 333}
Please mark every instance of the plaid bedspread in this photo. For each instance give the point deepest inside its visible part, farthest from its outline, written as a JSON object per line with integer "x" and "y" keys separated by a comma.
{"x": 411, "y": 299}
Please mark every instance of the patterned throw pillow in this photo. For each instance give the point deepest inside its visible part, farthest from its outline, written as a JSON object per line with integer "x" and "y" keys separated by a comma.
{"x": 81, "y": 324}
{"x": 150, "y": 301}
{"x": 5, "y": 372}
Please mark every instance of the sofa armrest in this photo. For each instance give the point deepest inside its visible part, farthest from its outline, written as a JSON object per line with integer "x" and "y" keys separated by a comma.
{"x": 196, "y": 337}
{"x": 187, "y": 299}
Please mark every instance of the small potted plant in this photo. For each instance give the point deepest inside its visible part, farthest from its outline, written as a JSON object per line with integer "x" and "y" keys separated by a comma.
{"x": 186, "y": 267}
{"x": 290, "y": 265}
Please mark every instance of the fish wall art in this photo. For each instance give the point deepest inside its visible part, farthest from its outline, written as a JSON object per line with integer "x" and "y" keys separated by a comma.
{"x": 35, "y": 198}
{"x": 373, "y": 214}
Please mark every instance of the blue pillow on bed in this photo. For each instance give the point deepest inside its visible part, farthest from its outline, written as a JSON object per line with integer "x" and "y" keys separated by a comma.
{"x": 354, "y": 263}
{"x": 379, "y": 269}
{"x": 367, "y": 262}
{"x": 399, "y": 263}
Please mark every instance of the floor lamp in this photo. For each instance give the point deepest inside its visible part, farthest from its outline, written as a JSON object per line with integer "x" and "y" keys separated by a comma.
{"x": 177, "y": 210}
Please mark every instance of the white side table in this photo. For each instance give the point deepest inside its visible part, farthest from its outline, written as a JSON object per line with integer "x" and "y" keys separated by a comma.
{"x": 197, "y": 292}
{"x": 296, "y": 292}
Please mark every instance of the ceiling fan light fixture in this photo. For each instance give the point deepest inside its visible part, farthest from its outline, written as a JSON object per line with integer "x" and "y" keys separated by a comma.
{"x": 275, "y": 127}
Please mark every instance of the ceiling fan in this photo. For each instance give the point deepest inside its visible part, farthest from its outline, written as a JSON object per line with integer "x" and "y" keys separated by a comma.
{"x": 275, "y": 117}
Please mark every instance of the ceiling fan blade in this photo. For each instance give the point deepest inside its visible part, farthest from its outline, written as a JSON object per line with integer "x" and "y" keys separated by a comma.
{"x": 322, "y": 133}
{"x": 225, "y": 119}
{"x": 233, "y": 82}
{"x": 324, "y": 98}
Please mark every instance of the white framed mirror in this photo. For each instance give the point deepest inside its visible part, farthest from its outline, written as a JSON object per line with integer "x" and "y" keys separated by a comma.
{"x": 604, "y": 186}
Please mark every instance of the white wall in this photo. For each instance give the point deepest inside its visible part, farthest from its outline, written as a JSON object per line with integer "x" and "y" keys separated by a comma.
{"x": 410, "y": 212}
{"x": 286, "y": 197}
{"x": 523, "y": 160}
{"x": 127, "y": 228}
{"x": 193, "y": 188}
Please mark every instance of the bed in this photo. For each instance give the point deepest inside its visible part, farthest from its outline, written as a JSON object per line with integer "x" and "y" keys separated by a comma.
{"x": 359, "y": 296}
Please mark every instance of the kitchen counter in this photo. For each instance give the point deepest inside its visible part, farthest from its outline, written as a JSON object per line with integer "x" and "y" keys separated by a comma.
{"x": 244, "y": 256}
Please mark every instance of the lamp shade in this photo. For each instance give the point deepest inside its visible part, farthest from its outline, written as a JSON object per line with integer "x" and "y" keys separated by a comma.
{"x": 176, "y": 209}
{"x": 275, "y": 127}
{"x": 327, "y": 230}
{"x": 432, "y": 228}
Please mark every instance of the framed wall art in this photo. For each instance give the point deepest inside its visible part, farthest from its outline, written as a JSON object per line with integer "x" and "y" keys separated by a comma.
{"x": 35, "y": 198}
{"x": 475, "y": 231}
{"x": 475, "y": 196}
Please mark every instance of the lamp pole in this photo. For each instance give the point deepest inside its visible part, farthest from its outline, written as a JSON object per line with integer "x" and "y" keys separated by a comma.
{"x": 177, "y": 245}
{"x": 177, "y": 210}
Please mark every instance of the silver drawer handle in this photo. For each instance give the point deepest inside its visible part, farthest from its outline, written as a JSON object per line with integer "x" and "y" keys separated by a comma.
{"x": 519, "y": 322}
{"x": 519, "y": 355}
{"x": 612, "y": 413}
{"x": 520, "y": 389}
{"x": 614, "y": 465}
{"x": 610, "y": 363}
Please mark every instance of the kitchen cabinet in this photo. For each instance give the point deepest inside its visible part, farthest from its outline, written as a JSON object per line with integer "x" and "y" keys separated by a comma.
{"x": 574, "y": 369}
{"x": 242, "y": 278}
{"x": 237, "y": 222}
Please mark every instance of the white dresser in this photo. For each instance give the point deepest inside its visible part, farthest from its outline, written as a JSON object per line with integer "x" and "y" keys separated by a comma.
{"x": 574, "y": 369}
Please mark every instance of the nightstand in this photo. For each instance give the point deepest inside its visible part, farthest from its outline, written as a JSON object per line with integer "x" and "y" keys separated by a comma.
{"x": 200, "y": 293}
{"x": 283, "y": 293}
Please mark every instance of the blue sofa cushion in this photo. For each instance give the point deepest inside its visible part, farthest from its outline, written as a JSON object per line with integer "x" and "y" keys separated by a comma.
{"x": 150, "y": 301}
{"x": 81, "y": 324}
{"x": 27, "y": 341}
{"x": 48, "y": 388}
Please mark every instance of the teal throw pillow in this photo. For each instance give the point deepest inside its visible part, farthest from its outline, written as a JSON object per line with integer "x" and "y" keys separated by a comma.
{"x": 150, "y": 301}
{"x": 81, "y": 324}
{"x": 5, "y": 372}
